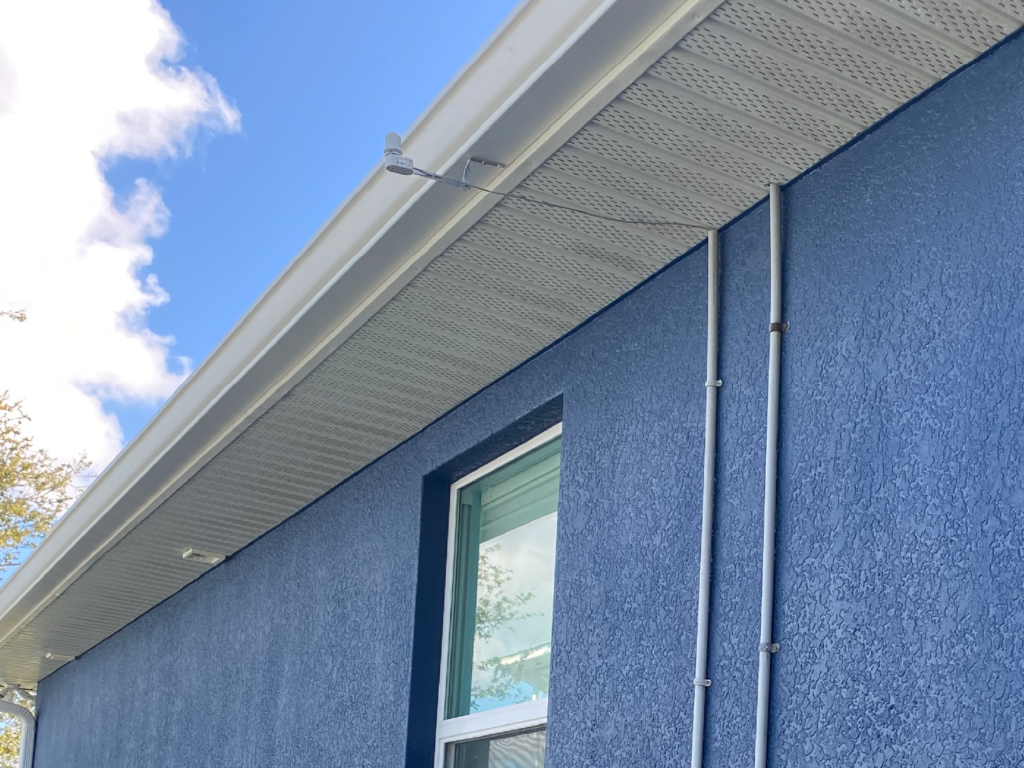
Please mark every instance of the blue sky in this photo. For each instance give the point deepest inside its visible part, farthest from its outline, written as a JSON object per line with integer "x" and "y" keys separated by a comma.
{"x": 318, "y": 85}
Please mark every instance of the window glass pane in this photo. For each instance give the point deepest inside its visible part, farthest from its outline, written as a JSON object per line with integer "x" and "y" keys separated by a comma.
{"x": 503, "y": 587}
{"x": 520, "y": 750}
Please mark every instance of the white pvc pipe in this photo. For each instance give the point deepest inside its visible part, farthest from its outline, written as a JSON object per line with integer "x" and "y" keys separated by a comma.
{"x": 771, "y": 468}
{"x": 28, "y": 730}
{"x": 711, "y": 385}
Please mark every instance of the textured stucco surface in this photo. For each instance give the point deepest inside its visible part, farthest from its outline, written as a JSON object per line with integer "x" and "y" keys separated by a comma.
{"x": 901, "y": 576}
{"x": 900, "y": 606}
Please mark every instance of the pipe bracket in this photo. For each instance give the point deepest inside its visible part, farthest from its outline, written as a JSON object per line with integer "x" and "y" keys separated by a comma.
{"x": 768, "y": 648}
{"x": 778, "y": 327}
{"x": 702, "y": 683}
{"x": 713, "y": 383}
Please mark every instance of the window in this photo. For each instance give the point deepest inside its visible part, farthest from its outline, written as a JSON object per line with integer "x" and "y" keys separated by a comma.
{"x": 497, "y": 629}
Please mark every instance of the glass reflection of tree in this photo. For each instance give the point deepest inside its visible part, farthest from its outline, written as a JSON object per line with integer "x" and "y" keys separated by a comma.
{"x": 496, "y": 610}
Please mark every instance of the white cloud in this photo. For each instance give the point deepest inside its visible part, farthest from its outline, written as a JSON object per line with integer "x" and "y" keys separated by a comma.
{"x": 82, "y": 83}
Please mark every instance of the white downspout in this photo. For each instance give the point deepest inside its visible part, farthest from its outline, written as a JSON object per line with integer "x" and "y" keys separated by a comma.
{"x": 711, "y": 385}
{"x": 28, "y": 730}
{"x": 771, "y": 467}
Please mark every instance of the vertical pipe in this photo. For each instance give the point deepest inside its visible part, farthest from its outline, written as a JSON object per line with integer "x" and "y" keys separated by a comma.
{"x": 771, "y": 466}
{"x": 711, "y": 385}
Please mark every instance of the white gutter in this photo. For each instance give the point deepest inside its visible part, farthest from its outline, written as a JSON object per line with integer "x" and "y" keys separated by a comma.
{"x": 28, "y": 730}
{"x": 549, "y": 69}
{"x": 711, "y": 385}
{"x": 771, "y": 470}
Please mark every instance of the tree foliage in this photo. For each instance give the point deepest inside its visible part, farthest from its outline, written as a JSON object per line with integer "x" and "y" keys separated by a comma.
{"x": 35, "y": 488}
{"x": 10, "y": 742}
{"x": 10, "y": 734}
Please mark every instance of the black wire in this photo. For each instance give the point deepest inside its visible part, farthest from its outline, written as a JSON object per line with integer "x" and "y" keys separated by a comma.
{"x": 516, "y": 196}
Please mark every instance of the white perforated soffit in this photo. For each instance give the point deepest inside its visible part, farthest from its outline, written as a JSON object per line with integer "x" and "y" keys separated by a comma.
{"x": 757, "y": 93}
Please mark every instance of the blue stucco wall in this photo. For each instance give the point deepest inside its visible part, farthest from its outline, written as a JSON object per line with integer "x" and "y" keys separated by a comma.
{"x": 900, "y": 591}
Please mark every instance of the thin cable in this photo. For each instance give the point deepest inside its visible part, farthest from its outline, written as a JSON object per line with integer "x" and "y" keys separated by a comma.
{"x": 516, "y": 196}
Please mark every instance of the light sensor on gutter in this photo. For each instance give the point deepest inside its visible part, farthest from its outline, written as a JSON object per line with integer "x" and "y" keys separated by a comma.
{"x": 59, "y": 656}
{"x": 394, "y": 161}
{"x": 201, "y": 556}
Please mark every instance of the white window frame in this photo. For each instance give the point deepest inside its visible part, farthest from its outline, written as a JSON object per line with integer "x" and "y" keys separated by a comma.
{"x": 517, "y": 717}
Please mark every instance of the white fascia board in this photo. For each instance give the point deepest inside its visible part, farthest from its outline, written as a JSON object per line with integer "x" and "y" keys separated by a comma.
{"x": 550, "y": 67}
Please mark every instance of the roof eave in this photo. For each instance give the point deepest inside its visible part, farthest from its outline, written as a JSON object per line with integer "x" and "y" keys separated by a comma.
{"x": 550, "y": 67}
